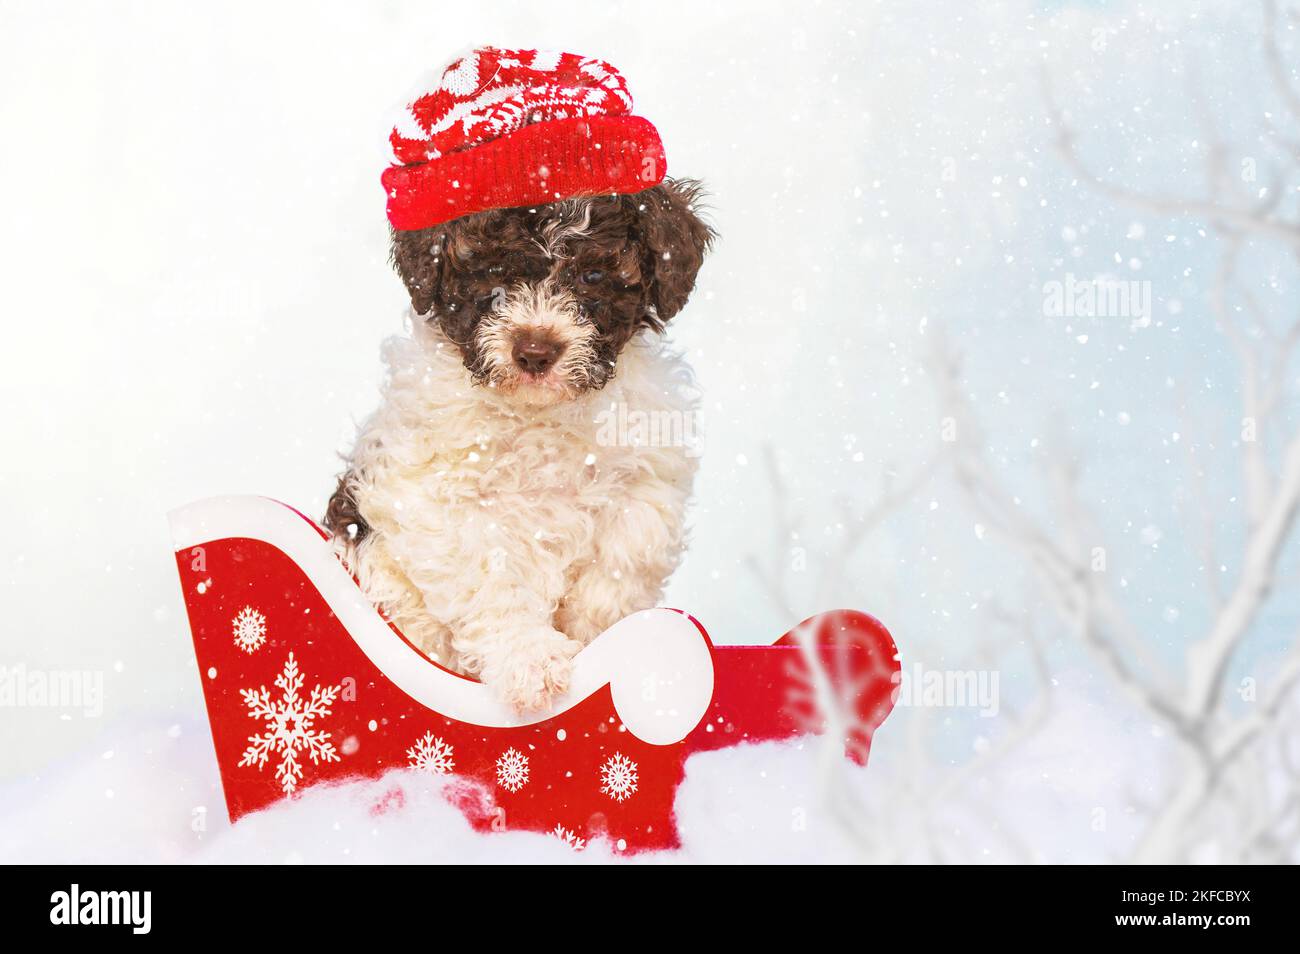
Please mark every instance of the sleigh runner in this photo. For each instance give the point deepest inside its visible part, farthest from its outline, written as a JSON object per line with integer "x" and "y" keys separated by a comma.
{"x": 306, "y": 683}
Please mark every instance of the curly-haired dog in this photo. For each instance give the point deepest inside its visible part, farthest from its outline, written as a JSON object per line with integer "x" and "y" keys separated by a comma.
{"x": 491, "y": 506}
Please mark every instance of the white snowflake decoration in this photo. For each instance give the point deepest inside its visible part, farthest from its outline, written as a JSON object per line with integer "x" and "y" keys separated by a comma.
{"x": 250, "y": 629}
{"x": 512, "y": 770}
{"x": 432, "y": 755}
{"x": 618, "y": 777}
{"x": 290, "y": 726}
{"x": 569, "y": 838}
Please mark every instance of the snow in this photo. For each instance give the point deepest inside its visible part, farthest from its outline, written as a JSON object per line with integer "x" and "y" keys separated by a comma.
{"x": 158, "y": 799}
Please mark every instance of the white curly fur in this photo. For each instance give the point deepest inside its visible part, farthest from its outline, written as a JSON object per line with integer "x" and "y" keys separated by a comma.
{"x": 506, "y": 535}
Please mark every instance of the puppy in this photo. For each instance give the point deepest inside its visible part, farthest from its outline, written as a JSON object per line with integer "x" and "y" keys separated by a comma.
{"x": 491, "y": 507}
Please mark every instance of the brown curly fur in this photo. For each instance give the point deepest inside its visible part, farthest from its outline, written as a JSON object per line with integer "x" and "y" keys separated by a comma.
{"x": 648, "y": 245}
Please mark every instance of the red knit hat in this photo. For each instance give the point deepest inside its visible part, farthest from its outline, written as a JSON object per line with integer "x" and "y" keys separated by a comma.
{"x": 508, "y": 128}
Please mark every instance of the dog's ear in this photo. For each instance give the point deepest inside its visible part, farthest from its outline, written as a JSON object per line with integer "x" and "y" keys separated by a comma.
{"x": 674, "y": 239}
{"x": 419, "y": 258}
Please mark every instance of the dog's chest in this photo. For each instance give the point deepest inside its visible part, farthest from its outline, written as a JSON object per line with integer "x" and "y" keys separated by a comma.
{"x": 448, "y": 462}
{"x": 549, "y": 465}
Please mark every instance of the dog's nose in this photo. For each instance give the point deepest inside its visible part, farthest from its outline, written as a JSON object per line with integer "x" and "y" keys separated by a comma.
{"x": 536, "y": 355}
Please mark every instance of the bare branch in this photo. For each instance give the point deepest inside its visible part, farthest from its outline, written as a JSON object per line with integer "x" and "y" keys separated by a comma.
{"x": 1276, "y": 68}
{"x": 1256, "y": 220}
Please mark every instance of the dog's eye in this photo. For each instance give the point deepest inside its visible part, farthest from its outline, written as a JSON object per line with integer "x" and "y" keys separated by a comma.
{"x": 592, "y": 276}
{"x": 497, "y": 270}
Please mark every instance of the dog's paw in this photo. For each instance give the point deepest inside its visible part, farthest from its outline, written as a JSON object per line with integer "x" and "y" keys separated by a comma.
{"x": 536, "y": 671}
{"x": 577, "y": 624}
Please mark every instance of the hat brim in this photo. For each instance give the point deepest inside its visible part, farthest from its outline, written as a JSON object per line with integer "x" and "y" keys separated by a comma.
{"x": 539, "y": 164}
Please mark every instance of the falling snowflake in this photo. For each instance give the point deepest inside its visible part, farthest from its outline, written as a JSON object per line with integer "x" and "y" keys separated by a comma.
{"x": 431, "y": 755}
{"x": 512, "y": 770}
{"x": 289, "y": 726}
{"x": 618, "y": 777}
{"x": 250, "y": 629}
{"x": 569, "y": 838}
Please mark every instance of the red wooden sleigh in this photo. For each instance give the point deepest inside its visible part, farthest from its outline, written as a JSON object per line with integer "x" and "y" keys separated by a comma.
{"x": 306, "y": 683}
